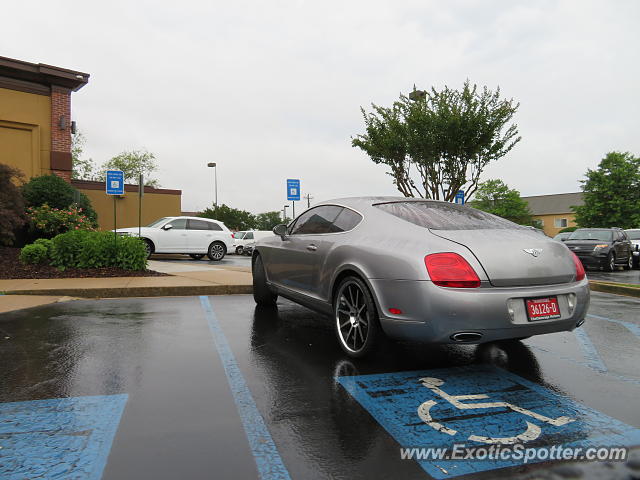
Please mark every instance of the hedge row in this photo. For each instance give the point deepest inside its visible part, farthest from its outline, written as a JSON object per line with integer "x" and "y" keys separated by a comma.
{"x": 87, "y": 249}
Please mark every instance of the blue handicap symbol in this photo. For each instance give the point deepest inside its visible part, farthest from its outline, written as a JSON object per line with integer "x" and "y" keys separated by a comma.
{"x": 58, "y": 438}
{"x": 480, "y": 406}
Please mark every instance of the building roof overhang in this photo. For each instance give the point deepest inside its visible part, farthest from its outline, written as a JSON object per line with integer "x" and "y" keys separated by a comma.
{"x": 42, "y": 74}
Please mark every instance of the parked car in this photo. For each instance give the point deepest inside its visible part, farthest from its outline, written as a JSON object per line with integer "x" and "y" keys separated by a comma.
{"x": 190, "y": 235}
{"x": 237, "y": 242}
{"x": 562, "y": 236}
{"x": 423, "y": 270}
{"x": 249, "y": 239}
{"x": 601, "y": 247}
{"x": 634, "y": 236}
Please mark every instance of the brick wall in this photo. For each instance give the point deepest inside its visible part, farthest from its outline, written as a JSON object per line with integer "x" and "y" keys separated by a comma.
{"x": 61, "y": 137}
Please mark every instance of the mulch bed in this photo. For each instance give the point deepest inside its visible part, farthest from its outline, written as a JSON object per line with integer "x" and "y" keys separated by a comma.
{"x": 12, "y": 267}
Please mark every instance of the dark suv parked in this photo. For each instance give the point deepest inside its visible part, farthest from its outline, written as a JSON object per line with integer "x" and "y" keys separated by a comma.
{"x": 602, "y": 247}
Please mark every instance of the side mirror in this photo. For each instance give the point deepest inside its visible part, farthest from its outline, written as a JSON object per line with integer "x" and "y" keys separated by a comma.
{"x": 167, "y": 227}
{"x": 564, "y": 239}
{"x": 280, "y": 230}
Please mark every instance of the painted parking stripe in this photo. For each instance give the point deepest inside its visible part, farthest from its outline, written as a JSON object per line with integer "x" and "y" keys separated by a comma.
{"x": 632, "y": 327}
{"x": 270, "y": 465}
{"x": 479, "y": 405}
{"x": 58, "y": 438}
{"x": 590, "y": 352}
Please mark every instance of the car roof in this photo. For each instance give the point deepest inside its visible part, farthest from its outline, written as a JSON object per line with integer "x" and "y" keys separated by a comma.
{"x": 361, "y": 202}
{"x": 196, "y": 218}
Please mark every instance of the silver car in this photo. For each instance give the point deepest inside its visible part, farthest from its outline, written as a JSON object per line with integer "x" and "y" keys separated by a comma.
{"x": 422, "y": 270}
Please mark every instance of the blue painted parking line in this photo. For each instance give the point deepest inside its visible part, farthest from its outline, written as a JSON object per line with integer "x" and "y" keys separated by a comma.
{"x": 270, "y": 465}
{"x": 590, "y": 352}
{"x": 484, "y": 406}
{"x": 58, "y": 438}
{"x": 632, "y": 327}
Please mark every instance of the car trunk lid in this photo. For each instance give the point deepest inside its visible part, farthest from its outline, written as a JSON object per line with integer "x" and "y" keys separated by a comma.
{"x": 516, "y": 257}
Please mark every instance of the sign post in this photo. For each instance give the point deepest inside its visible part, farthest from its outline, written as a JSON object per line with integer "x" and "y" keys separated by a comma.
{"x": 140, "y": 194}
{"x": 293, "y": 193}
{"x": 115, "y": 186}
{"x": 459, "y": 197}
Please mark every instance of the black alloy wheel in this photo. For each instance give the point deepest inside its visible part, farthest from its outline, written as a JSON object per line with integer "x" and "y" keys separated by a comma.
{"x": 610, "y": 266}
{"x": 356, "y": 319}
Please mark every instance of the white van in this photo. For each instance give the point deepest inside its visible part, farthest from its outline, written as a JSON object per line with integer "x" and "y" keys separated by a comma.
{"x": 249, "y": 239}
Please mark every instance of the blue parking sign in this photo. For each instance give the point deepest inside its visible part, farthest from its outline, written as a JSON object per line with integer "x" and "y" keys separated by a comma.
{"x": 459, "y": 199}
{"x": 293, "y": 189}
{"x": 501, "y": 415}
{"x": 115, "y": 182}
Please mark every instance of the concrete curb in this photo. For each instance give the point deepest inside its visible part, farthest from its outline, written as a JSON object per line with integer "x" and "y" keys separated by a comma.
{"x": 616, "y": 288}
{"x": 118, "y": 292}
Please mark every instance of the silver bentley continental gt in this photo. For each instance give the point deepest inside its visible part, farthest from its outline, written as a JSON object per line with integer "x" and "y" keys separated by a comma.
{"x": 421, "y": 270}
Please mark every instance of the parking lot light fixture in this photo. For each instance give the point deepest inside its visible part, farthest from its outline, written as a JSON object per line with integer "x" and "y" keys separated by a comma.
{"x": 214, "y": 165}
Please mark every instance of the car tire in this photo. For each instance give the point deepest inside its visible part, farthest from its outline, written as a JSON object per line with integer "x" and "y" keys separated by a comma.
{"x": 355, "y": 318}
{"x": 629, "y": 264}
{"x": 262, "y": 294}
{"x": 196, "y": 256}
{"x": 216, "y": 251}
{"x": 239, "y": 250}
{"x": 610, "y": 266}
{"x": 149, "y": 247}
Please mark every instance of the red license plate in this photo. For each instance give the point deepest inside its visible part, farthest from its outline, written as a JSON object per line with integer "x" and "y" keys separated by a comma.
{"x": 543, "y": 308}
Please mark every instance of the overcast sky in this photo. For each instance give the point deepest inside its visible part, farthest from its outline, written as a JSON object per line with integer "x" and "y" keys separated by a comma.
{"x": 272, "y": 90}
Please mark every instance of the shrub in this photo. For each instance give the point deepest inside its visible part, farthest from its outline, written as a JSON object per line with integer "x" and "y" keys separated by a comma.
{"x": 54, "y": 191}
{"x": 568, "y": 229}
{"x": 48, "y": 221}
{"x": 87, "y": 249}
{"x": 67, "y": 248}
{"x": 46, "y": 243}
{"x": 34, "y": 253}
{"x": 11, "y": 204}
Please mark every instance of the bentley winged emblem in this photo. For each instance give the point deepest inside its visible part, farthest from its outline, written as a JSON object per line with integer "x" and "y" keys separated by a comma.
{"x": 536, "y": 252}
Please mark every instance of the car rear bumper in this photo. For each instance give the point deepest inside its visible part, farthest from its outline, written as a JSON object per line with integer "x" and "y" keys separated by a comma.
{"x": 434, "y": 314}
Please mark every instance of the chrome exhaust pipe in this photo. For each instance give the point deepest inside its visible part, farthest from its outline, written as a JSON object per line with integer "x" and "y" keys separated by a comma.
{"x": 466, "y": 336}
{"x": 579, "y": 324}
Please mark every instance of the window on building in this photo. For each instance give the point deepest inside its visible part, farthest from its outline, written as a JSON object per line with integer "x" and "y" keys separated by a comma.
{"x": 561, "y": 223}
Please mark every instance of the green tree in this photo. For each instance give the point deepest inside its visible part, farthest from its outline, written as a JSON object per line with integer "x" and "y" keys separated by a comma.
{"x": 494, "y": 196}
{"x": 438, "y": 142}
{"x": 133, "y": 163}
{"x": 82, "y": 168}
{"x": 233, "y": 218}
{"x": 611, "y": 193}
{"x": 11, "y": 203}
{"x": 267, "y": 220}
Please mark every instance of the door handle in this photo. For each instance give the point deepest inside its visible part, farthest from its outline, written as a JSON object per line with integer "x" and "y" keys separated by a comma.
{"x": 312, "y": 248}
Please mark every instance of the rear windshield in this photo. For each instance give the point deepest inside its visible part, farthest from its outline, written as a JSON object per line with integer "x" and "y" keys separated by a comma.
{"x": 601, "y": 235}
{"x": 635, "y": 235}
{"x": 445, "y": 216}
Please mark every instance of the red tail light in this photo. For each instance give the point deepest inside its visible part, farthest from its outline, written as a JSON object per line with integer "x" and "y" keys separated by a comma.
{"x": 579, "y": 267}
{"x": 451, "y": 270}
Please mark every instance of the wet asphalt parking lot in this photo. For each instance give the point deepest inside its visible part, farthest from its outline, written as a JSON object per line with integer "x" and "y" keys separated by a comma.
{"x": 212, "y": 387}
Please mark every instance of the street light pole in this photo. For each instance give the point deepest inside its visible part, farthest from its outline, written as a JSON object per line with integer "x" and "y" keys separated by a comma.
{"x": 215, "y": 181}
{"x": 284, "y": 213}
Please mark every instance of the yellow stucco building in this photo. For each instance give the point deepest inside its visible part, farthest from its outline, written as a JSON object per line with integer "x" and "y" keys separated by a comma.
{"x": 35, "y": 137}
{"x": 554, "y": 212}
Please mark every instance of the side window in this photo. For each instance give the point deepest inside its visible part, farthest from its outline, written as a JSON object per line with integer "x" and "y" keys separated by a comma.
{"x": 197, "y": 224}
{"x": 178, "y": 224}
{"x": 248, "y": 236}
{"x": 214, "y": 226}
{"x": 316, "y": 221}
{"x": 347, "y": 220}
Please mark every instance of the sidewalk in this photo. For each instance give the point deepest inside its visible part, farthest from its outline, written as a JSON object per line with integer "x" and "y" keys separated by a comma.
{"x": 183, "y": 280}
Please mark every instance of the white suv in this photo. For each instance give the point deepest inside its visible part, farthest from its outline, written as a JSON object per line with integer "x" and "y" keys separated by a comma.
{"x": 191, "y": 235}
